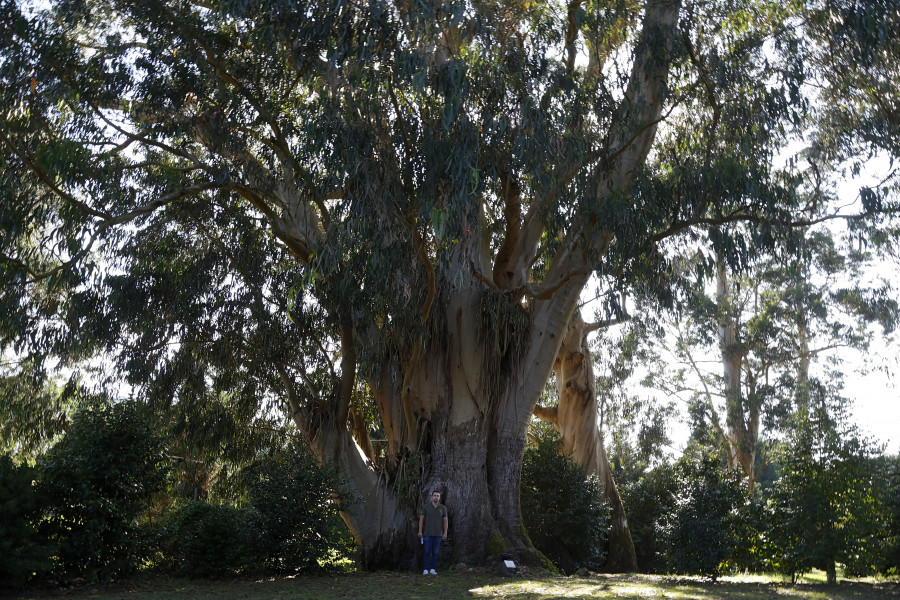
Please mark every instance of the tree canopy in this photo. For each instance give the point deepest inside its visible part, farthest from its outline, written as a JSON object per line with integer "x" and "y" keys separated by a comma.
{"x": 251, "y": 208}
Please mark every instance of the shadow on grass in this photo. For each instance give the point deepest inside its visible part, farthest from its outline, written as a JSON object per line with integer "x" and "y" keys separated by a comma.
{"x": 471, "y": 585}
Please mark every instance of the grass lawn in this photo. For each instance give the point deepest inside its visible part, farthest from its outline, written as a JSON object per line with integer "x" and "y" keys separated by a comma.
{"x": 478, "y": 584}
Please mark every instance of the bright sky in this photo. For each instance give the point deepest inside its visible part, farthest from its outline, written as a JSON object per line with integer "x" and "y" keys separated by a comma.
{"x": 870, "y": 380}
{"x": 876, "y": 406}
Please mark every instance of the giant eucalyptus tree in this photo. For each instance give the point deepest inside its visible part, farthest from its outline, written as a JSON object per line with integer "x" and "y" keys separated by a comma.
{"x": 257, "y": 206}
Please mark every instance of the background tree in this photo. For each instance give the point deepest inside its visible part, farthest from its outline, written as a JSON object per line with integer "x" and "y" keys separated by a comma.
{"x": 636, "y": 425}
{"x": 770, "y": 326}
{"x": 822, "y": 506}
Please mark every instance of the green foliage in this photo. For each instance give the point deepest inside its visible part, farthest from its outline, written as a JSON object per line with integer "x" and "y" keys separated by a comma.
{"x": 647, "y": 503}
{"x": 634, "y": 427}
{"x": 24, "y": 554}
{"x": 889, "y": 560}
{"x": 563, "y": 511}
{"x": 295, "y": 512}
{"x": 33, "y": 410}
{"x": 702, "y": 532}
{"x": 290, "y": 523}
{"x": 97, "y": 481}
{"x": 851, "y": 41}
{"x": 208, "y": 540}
{"x": 824, "y": 507}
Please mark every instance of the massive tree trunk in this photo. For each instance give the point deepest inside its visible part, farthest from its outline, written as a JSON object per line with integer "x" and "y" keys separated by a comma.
{"x": 472, "y": 398}
{"x": 576, "y": 418}
{"x": 456, "y": 401}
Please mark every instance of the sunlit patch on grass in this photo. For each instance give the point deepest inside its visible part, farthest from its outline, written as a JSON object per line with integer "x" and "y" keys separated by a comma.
{"x": 660, "y": 587}
{"x": 565, "y": 588}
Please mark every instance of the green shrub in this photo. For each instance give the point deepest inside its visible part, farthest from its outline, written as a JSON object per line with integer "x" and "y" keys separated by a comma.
{"x": 702, "y": 531}
{"x": 290, "y": 523}
{"x": 648, "y": 502}
{"x": 889, "y": 561}
{"x": 24, "y": 554}
{"x": 753, "y": 551}
{"x": 208, "y": 540}
{"x": 825, "y": 508}
{"x": 563, "y": 510}
{"x": 297, "y": 523}
{"x": 97, "y": 481}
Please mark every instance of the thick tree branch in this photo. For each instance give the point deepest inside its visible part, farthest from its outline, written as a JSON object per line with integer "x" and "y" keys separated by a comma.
{"x": 150, "y": 207}
{"x": 571, "y": 35}
{"x": 738, "y": 217}
{"x": 348, "y": 374}
{"x": 592, "y": 327}
{"x": 549, "y": 414}
{"x": 37, "y": 276}
{"x": 47, "y": 180}
{"x": 641, "y": 108}
{"x": 709, "y": 396}
{"x": 512, "y": 216}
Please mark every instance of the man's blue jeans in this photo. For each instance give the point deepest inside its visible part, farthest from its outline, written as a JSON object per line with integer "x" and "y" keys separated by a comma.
{"x": 432, "y": 544}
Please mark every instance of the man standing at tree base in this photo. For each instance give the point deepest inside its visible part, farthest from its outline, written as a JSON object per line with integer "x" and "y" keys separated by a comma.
{"x": 433, "y": 518}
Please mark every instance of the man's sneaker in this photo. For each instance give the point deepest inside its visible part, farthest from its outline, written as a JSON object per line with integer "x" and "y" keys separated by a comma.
{"x": 433, "y": 572}
{"x": 425, "y": 572}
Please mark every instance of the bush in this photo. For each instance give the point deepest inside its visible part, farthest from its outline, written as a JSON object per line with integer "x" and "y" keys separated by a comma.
{"x": 23, "y": 553}
{"x": 295, "y": 516}
{"x": 889, "y": 562}
{"x": 208, "y": 540}
{"x": 702, "y": 531}
{"x": 648, "y": 502}
{"x": 563, "y": 510}
{"x": 753, "y": 530}
{"x": 97, "y": 481}
{"x": 290, "y": 524}
{"x": 825, "y": 507}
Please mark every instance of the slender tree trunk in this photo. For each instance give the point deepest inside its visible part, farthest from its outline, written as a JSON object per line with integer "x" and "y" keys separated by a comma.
{"x": 576, "y": 420}
{"x": 742, "y": 416}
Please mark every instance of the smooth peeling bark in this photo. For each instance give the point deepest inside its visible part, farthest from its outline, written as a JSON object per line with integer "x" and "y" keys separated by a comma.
{"x": 472, "y": 415}
{"x": 576, "y": 420}
{"x": 374, "y": 514}
{"x": 742, "y": 417}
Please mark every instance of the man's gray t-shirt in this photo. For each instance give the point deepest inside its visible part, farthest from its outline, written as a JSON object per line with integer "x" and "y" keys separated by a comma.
{"x": 434, "y": 518}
